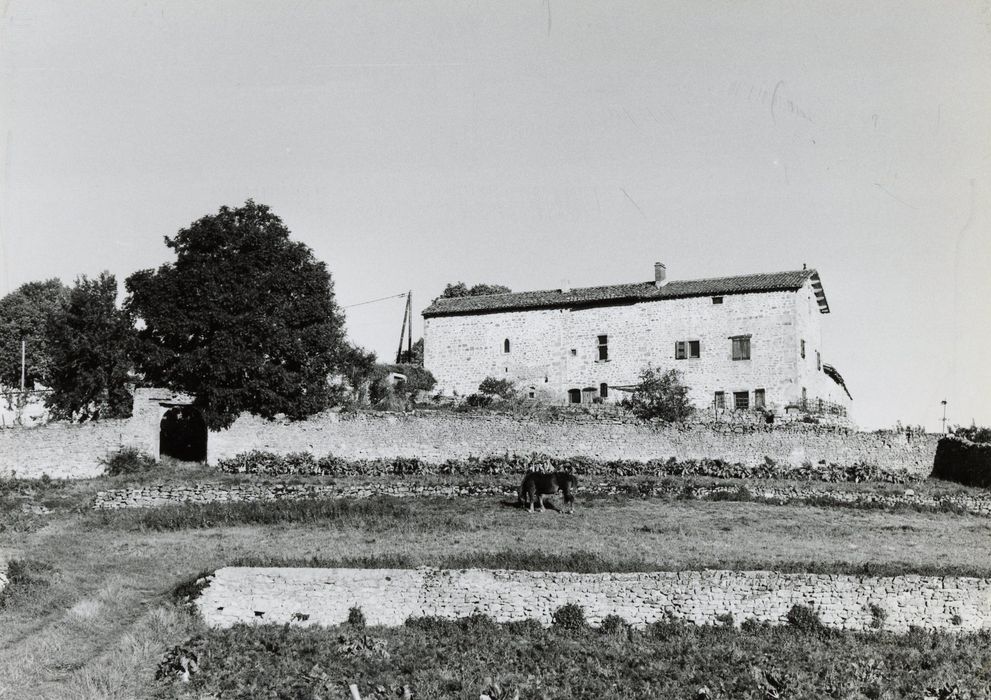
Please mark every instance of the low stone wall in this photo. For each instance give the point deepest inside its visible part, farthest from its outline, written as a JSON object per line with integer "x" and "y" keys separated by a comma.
{"x": 439, "y": 437}
{"x": 171, "y": 494}
{"x": 389, "y": 596}
{"x": 62, "y": 450}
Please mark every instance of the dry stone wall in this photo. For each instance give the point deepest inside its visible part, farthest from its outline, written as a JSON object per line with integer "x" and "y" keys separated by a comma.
{"x": 439, "y": 437}
{"x": 389, "y": 596}
{"x": 62, "y": 450}
{"x": 170, "y": 495}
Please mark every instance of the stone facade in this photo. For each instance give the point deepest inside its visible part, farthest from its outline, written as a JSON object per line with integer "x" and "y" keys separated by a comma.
{"x": 554, "y": 351}
{"x": 389, "y": 596}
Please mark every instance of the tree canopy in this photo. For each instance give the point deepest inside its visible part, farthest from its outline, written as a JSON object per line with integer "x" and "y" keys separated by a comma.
{"x": 90, "y": 345}
{"x": 660, "y": 394}
{"x": 460, "y": 289}
{"x": 244, "y": 319}
{"x": 24, "y": 316}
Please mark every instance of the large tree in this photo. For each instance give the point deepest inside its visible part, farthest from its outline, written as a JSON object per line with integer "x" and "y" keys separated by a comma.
{"x": 91, "y": 346}
{"x": 23, "y": 316}
{"x": 244, "y": 319}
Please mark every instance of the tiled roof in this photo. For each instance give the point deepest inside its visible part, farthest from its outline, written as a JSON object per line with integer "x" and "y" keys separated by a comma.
{"x": 629, "y": 293}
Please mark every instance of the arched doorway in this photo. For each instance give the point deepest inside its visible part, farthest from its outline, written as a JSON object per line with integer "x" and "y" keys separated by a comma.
{"x": 183, "y": 434}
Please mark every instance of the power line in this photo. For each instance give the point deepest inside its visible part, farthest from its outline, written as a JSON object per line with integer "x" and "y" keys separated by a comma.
{"x": 372, "y": 301}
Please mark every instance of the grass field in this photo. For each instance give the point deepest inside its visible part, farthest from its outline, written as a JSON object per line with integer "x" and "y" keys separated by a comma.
{"x": 95, "y": 614}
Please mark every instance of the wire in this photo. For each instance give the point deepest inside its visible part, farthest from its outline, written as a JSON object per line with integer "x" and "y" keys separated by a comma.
{"x": 372, "y": 301}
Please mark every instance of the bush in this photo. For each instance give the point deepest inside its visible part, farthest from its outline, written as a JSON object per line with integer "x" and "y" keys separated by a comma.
{"x": 963, "y": 461}
{"x": 23, "y": 577}
{"x": 974, "y": 433}
{"x": 569, "y": 616}
{"x": 356, "y": 618}
{"x": 503, "y": 388}
{"x": 127, "y": 460}
{"x": 478, "y": 401}
{"x": 613, "y": 624}
{"x": 805, "y": 619}
{"x": 660, "y": 395}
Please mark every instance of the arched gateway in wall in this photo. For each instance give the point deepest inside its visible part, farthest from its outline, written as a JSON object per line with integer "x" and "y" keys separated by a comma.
{"x": 169, "y": 425}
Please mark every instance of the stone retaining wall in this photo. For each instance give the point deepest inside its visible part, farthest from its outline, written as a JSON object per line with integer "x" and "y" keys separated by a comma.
{"x": 439, "y": 437}
{"x": 389, "y": 596}
{"x": 170, "y": 494}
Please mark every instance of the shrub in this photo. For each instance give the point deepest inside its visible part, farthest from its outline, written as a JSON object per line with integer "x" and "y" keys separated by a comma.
{"x": 660, "y": 395}
{"x": 805, "y": 619}
{"x": 23, "y": 577}
{"x": 613, "y": 624}
{"x": 126, "y": 460}
{"x": 878, "y": 615}
{"x": 503, "y": 388}
{"x": 478, "y": 401}
{"x": 569, "y": 616}
{"x": 974, "y": 433}
{"x": 356, "y": 618}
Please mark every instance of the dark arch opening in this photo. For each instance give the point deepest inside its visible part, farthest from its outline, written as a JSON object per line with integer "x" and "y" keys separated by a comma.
{"x": 183, "y": 434}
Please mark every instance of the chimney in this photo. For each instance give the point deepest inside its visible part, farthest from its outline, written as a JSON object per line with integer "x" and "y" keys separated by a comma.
{"x": 565, "y": 286}
{"x": 660, "y": 275}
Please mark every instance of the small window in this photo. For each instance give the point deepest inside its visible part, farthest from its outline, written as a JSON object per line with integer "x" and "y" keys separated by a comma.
{"x": 680, "y": 351}
{"x": 685, "y": 349}
{"x": 759, "y": 398}
{"x": 604, "y": 390}
{"x": 574, "y": 352}
{"x": 805, "y": 396}
{"x": 603, "y": 348}
{"x": 741, "y": 400}
{"x": 505, "y": 345}
{"x": 720, "y": 399}
{"x": 694, "y": 349}
{"x": 803, "y": 349}
{"x": 533, "y": 392}
{"x": 741, "y": 347}
{"x": 818, "y": 361}
{"x": 717, "y": 300}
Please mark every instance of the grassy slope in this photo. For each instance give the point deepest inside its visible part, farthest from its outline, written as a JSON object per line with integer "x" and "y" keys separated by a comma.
{"x": 98, "y": 629}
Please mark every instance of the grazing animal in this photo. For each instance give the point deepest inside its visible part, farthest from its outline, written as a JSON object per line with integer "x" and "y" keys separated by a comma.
{"x": 537, "y": 485}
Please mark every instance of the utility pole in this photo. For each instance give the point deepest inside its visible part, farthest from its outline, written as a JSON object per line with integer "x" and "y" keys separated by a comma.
{"x": 409, "y": 313}
{"x": 23, "y": 344}
{"x": 944, "y": 415}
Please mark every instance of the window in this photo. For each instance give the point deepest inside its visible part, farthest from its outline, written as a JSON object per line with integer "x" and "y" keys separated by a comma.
{"x": 805, "y": 397}
{"x": 818, "y": 361}
{"x": 532, "y": 393}
{"x": 717, "y": 300}
{"x": 803, "y": 349}
{"x": 588, "y": 394}
{"x": 741, "y": 347}
{"x": 505, "y": 345}
{"x": 720, "y": 399}
{"x": 685, "y": 349}
{"x": 741, "y": 400}
{"x": 603, "y": 348}
{"x": 759, "y": 398}
{"x": 604, "y": 390}
{"x": 574, "y": 352}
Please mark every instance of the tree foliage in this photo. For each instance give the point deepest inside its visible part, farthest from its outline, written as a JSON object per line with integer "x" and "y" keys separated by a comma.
{"x": 503, "y": 388}
{"x": 975, "y": 433}
{"x": 660, "y": 395}
{"x": 460, "y": 289}
{"x": 91, "y": 345}
{"x": 24, "y": 316}
{"x": 244, "y": 319}
{"x": 413, "y": 356}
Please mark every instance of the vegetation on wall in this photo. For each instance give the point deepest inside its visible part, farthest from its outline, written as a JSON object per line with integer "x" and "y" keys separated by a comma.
{"x": 24, "y": 315}
{"x": 975, "y": 433}
{"x": 91, "y": 344}
{"x": 460, "y": 289}
{"x": 660, "y": 395}
{"x": 244, "y": 320}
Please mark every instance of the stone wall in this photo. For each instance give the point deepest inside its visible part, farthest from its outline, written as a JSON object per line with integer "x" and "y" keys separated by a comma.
{"x": 439, "y": 437}
{"x": 389, "y": 596}
{"x": 171, "y": 494}
{"x": 62, "y": 450}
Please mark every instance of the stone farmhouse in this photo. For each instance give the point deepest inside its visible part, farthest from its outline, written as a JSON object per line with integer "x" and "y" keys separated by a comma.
{"x": 753, "y": 341}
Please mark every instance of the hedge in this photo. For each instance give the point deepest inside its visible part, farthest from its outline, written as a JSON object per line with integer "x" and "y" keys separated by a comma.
{"x": 259, "y": 462}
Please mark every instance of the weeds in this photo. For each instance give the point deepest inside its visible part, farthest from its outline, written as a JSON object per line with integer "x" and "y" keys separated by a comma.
{"x": 437, "y": 658}
{"x": 127, "y": 460}
{"x": 24, "y": 578}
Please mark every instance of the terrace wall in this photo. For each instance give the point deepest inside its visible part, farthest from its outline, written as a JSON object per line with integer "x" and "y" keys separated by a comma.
{"x": 389, "y": 596}
{"x": 439, "y": 437}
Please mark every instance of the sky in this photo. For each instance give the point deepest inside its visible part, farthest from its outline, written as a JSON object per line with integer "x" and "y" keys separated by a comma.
{"x": 412, "y": 144}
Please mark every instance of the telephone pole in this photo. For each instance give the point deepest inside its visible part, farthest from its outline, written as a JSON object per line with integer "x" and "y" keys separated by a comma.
{"x": 944, "y": 415}
{"x": 407, "y": 323}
